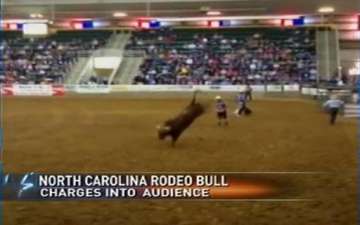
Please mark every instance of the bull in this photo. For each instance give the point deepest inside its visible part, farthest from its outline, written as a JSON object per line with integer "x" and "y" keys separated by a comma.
{"x": 174, "y": 127}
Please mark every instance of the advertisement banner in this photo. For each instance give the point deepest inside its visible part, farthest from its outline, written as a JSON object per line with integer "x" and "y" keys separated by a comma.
{"x": 33, "y": 90}
{"x": 258, "y": 88}
{"x": 7, "y": 90}
{"x": 58, "y": 90}
{"x": 292, "y": 88}
{"x": 309, "y": 91}
{"x": 92, "y": 89}
{"x": 274, "y": 88}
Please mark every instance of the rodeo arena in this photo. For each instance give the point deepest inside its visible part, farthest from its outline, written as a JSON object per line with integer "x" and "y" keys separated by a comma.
{"x": 154, "y": 85}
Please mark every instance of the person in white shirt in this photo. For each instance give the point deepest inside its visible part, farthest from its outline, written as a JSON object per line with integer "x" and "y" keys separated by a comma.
{"x": 333, "y": 106}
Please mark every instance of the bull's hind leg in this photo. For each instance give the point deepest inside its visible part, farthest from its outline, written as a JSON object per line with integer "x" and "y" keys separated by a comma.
{"x": 173, "y": 142}
{"x": 174, "y": 139}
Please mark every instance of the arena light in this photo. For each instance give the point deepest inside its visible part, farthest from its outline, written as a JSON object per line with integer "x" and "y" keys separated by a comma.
{"x": 154, "y": 24}
{"x": 326, "y": 9}
{"x": 214, "y": 24}
{"x": 213, "y": 13}
{"x": 78, "y": 26}
{"x": 287, "y": 23}
{"x": 219, "y": 23}
{"x": 20, "y": 26}
{"x": 299, "y": 22}
{"x": 36, "y": 16}
{"x": 13, "y": 26}
{"x": 312, "y": 20}
{"x": 88, "y": 24}
{"x": 119, "y": 14}
{"x": 101, "y": 24}
{"x": 225, "y": 23}
{"x": 143, "y": 24}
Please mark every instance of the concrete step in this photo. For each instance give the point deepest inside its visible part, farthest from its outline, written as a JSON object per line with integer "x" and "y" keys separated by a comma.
{"x": 75, "y": 72}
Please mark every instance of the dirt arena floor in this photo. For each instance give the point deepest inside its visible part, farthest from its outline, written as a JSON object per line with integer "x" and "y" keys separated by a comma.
{"x": 81, "y": 134}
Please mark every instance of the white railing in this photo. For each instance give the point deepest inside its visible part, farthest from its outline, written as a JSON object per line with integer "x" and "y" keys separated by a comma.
{"x": 352, "y": 111}
{"x": 88, "y": 69}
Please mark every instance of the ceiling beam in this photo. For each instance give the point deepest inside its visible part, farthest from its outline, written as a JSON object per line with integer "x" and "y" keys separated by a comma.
{"x": 71, "y": 2}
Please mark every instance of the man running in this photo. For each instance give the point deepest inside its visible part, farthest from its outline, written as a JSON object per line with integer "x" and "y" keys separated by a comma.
{"x": 333, "y": 106}
{"x": 241, "y": 100}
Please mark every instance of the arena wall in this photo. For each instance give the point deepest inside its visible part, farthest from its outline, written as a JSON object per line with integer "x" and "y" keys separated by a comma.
{"x": 166, "y": 91}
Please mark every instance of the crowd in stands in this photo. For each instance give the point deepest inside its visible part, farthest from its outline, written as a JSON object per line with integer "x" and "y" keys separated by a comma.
{"x": 43, "y": 60}
{"x": 254, "y": 56}
{"x": 179, "y": 56}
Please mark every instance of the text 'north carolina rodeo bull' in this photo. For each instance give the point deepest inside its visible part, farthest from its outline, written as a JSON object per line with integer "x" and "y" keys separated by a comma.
{"x": 175, "y": 127}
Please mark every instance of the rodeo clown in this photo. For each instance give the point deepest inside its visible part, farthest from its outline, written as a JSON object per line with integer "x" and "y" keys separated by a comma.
{"x": 221, "y": 111}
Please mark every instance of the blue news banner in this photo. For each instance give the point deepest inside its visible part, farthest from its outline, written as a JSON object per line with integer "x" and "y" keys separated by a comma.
{"x": 32, "y": 186}
{"x": 191, "y": 186}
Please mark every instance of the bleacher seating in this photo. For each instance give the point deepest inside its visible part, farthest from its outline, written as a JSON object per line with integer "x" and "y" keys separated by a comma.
{"x": 226, "y": 56}
{"x": 44, "y": 60}
{"x": 174, "y": 56}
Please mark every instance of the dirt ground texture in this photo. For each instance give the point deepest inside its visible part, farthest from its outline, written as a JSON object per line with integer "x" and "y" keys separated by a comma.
{"x": 111, "y": 134}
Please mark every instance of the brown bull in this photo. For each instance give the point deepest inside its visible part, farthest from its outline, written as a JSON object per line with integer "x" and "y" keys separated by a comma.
{"x": 176, "y": 126}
